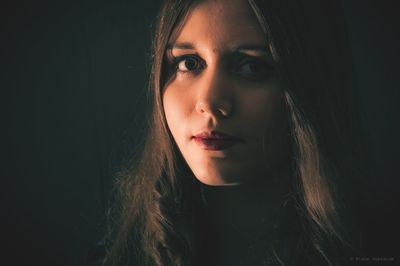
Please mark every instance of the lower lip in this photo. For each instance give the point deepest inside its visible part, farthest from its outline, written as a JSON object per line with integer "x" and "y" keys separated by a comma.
{"x": 214, "y": 144}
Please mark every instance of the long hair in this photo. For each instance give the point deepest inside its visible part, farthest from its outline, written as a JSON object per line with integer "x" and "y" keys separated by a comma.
{"x": 306, "y": 40}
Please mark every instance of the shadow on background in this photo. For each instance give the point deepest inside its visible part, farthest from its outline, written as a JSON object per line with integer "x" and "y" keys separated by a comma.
{"x": 73, "y": 92}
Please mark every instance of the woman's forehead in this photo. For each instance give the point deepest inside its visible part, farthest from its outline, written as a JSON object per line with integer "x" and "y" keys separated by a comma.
{"x": 220, "y": 24}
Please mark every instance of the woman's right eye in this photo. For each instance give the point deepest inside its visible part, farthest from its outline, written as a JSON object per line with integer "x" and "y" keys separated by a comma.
{"x": 186, "y": 64}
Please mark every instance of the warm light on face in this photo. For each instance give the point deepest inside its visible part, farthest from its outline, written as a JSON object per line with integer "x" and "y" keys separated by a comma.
{"x": 223, "y": 103}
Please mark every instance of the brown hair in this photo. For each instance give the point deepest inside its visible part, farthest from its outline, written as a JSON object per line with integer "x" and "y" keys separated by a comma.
{"x": 318, "y": 95}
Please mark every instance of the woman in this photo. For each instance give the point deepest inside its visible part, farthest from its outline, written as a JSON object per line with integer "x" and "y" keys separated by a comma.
{"x": 250, "y": 138}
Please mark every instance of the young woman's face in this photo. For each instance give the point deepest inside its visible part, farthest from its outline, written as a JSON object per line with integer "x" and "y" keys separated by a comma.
{"x": 223, "y": 102}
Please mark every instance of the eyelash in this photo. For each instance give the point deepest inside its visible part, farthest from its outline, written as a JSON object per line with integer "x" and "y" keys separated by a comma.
{"x": 179, "y": 59}
{"x": 265, "y": 72}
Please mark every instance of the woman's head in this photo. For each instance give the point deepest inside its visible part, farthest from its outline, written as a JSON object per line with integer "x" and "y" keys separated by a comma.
{"x": 270, "y": 81}
{"x": 223, "y": 98}
{"x": 273, "y": 98}
{"x": 289, "y": 56}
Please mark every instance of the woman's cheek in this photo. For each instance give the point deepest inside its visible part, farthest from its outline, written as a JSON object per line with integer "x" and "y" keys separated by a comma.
{"x": 261, "y": 107}
{"x": 176, "y": 109}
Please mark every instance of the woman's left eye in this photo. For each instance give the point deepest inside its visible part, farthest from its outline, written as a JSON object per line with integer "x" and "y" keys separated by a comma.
{"x": 253, "y": 68}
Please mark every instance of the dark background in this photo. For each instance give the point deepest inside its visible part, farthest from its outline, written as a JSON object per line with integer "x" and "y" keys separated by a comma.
{"x": 73, "y": 76}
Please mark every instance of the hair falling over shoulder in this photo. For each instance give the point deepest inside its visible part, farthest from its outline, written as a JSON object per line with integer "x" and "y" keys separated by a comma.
{"x": 320, "y": 105}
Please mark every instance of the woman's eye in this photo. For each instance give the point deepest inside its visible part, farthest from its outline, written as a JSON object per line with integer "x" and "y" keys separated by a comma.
{"x": 254, "y": 69}
{"x": 188, "y": 64}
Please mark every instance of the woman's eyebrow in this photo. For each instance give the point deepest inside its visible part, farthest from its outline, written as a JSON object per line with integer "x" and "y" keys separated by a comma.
{"x": 258, "y": 49}
{"x": 246, "y": 48}
{"x": 183, "y": 45}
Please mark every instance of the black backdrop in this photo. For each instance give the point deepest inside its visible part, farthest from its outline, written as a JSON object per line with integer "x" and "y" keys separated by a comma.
{"x": 72, "y": 92}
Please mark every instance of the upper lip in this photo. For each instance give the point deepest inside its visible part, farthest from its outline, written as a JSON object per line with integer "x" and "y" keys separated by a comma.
{"x": 216, "y": 135}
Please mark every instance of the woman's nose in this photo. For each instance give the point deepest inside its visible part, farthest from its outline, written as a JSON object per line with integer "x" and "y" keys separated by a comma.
{"x": 215, "y": 97}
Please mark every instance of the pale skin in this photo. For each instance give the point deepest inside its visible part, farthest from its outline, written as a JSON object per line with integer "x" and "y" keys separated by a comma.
{"x": 225, "y": 80}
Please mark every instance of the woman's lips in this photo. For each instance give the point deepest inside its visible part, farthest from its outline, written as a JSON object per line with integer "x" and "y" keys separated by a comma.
{"x": 215, "y": 141}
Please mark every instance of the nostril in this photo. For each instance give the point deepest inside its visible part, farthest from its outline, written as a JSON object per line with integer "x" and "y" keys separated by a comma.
{"x": 222, "y": 109}
{"x": 200, "y": 107}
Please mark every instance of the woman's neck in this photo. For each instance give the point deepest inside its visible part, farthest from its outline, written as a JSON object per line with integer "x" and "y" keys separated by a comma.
{"x": 250, "y": 209}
